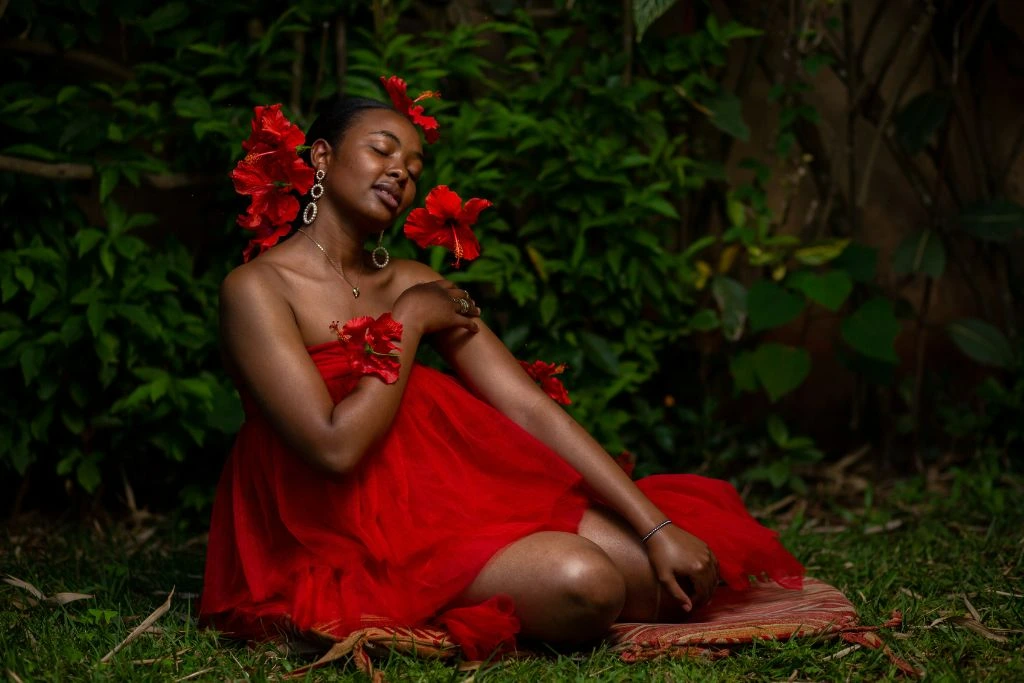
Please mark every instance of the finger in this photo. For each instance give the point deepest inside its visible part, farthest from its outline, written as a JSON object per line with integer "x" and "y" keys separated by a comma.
{"x": 676, "y": 591}
{"x": 705, "y": 581}
{"x": 471, "y": 326}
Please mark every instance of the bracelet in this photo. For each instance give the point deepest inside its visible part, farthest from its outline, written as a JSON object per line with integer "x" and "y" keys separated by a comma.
{"x": 656, "y": 530}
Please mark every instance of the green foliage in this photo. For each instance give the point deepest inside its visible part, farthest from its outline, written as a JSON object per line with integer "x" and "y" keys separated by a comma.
{"x": 595, "y": 160}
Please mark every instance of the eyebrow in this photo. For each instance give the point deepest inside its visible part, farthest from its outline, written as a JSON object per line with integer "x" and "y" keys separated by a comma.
{"x": 389, "y": 134}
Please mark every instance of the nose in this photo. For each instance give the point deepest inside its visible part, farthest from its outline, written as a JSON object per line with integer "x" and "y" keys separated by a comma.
{"x": 398, "y": 173}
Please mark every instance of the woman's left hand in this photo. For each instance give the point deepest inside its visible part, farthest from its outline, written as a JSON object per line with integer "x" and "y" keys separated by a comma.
{"x": 676, "y": 554}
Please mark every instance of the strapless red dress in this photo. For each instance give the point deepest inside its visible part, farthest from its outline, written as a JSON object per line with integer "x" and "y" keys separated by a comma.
{"x": 396, "y": 540}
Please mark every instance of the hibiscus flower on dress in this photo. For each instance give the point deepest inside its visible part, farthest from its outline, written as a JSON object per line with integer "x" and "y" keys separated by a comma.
{"x": 544, "y": 373}
{"x": 271, "y": 173}
{"x": 405, "y": 105}
{"x": 446, "y": 222}
{"x": 370, "y": 345}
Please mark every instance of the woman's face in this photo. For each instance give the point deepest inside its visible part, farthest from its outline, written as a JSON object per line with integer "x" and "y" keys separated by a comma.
{"x": 372, "y": 171}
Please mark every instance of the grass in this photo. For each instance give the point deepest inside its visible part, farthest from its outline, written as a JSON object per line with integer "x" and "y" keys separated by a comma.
{"x": 948, "y": 554}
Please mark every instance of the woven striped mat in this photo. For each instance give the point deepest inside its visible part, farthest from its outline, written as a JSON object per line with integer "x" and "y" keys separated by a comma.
{"x": 732, "y": 619}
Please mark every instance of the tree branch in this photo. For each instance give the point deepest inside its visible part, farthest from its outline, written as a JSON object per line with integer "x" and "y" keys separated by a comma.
{"x": 299, "y": 45}
{"x": 890, "y": 106}
{"x": 319, "y": 68}
{"x": 93, "y": 61}
{"x": 73, "y": 171}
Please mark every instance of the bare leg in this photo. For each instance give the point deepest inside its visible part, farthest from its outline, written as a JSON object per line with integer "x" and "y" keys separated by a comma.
{"x": 566, "y": 589}
{"x": 645, "y": 601}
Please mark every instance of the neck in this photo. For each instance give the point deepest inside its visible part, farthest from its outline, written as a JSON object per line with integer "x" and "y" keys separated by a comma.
{"x": 340, "y": 244}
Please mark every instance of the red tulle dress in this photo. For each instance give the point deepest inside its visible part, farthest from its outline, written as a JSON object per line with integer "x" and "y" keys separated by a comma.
{"x": 397, "y": 539}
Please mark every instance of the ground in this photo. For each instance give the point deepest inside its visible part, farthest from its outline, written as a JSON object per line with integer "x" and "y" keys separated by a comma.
{"x": 945, "y": 549}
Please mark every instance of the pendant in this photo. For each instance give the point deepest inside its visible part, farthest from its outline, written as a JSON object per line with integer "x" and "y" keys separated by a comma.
{"x": 355, "y": 292}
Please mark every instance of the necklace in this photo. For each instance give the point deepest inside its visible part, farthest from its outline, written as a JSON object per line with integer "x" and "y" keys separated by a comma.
{"x": 334, "y": 264}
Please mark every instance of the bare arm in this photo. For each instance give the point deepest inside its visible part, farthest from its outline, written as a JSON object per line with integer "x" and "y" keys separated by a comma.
{"x": 266, "y": 351}
{"x": 485, "y": 363}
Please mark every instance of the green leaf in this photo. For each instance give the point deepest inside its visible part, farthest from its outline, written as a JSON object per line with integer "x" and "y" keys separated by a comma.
{"x": 982, "y": 342}
{"x": 88, "y": 474}
{"x": 998, "y": 220}
{"x": 731, "y": 298}
{"x": 107, "y": 258}
{"x": 872, "y": 330}
{"x": 662, "y": 206}
{"x": 828, "y": 289}
{"x": 66, "y": 93}
{"x": 45, "y": 295}
{"x": 921, "y": 118}
{"x": 822, "y": 253}
{"x": 31, "y": 361}
{"x": 8, "y": 337}
{"x": 25, "y": 276}
{"x": 87, "y": 238}
{"x": 192, "y": 107}
{"x": 704, "y": 320}
{"x": 781, "y": 369}
{"x": 548, "y": 307}
{"x": 645, "y": 12}
{"x": 165, "y": 17}
{"x": 600, "y": 351}
{"x": 859, "y": 261}
{"x": 921, "y": 252}
{"x": 26, "y": 149}
{"x": 741, "y": 367}
{"x": 777, "y": 430}
{"x": 97, "y": 314}
{"x": 727, "y": 114}
{"x": 770, "y": 306}
{"x": 108, "y": 181}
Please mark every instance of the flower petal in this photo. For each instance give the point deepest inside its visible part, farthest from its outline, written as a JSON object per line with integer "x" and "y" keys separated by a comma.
{"x": 471, "y": 211}
{"x": 426, "y": 230}
{"x": 443, "y": 203}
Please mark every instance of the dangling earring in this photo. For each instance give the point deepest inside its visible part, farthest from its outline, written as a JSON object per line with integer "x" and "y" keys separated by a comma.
{"x": 380, "y": 255}
{"x": 315, "y": 192}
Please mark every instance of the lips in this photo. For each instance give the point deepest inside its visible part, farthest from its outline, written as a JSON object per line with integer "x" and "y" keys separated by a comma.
{"x": 388, "y": 194}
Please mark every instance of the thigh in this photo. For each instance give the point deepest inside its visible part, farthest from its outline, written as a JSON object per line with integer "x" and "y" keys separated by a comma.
{"x": 646, "y": 601}
{"x": 565, "y": 587}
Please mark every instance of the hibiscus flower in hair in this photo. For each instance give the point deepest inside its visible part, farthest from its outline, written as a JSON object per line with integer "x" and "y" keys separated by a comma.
{"x": 370, "y": 345}
{"x": 272, "y": 174}
{"x": 544, "y": 373}
{"x": 409, "y": 107}
{"x": 447, "y": 222}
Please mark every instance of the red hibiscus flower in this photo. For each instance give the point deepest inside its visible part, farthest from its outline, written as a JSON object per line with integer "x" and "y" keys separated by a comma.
{"x": 447, "y": 223}
{"x": 544, "y": 373}
{"x": 272, "y": 128}
{"x": 271, "y": 174}
{"x": 396, "y": 89}
{"x": 370, "y": 345}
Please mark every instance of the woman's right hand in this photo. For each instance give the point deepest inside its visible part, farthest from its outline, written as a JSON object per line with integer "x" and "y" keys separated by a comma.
{"x": 680, "y": 558}
{"x": 435, "y": 306}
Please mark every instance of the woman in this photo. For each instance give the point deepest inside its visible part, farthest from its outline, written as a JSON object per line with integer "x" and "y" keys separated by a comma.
{"x": 488, "y": 511}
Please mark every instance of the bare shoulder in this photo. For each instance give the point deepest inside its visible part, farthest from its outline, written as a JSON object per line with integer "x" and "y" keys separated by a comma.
{"x": 251, "y": 285}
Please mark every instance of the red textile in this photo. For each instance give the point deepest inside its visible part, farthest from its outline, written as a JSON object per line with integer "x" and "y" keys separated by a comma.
{"x": 396, "y": 540}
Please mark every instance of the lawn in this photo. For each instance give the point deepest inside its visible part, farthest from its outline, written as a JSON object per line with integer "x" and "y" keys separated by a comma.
{"x": 944, "y": 549}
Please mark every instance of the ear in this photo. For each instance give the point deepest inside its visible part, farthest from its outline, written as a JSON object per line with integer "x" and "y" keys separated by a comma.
{"x": 320, "y": 153}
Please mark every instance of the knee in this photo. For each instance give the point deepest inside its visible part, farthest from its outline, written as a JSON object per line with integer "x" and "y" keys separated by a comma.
{"x": 592, "y": 585}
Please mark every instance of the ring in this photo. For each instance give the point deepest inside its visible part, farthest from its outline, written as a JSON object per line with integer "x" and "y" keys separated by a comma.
{"x": 463, "y": 306}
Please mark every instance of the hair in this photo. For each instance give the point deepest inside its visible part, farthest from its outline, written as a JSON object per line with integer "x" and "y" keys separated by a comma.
{"x": 335, "y": 116}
